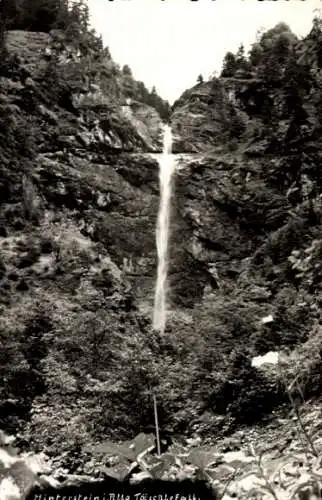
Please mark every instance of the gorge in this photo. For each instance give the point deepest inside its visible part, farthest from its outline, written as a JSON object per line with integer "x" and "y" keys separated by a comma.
{"x": 86, "y": 333}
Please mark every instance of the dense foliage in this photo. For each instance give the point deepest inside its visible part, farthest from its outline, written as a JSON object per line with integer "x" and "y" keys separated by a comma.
{"x": 272, "y": 50}
{"x": 255, "y": 213}
{"x": 45, "y": 15}
{"x": 137, "y": 90}
{"x": 283, "y": 95}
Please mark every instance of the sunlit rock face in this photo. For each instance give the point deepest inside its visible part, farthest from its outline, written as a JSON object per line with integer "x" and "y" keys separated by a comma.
{"x": 201, "y": 118}
{"x": 87, "y": 114}
{"x": 204, "y": 230}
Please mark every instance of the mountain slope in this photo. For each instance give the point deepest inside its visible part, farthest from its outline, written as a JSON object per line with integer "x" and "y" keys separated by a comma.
{"x": 79, "y": 185}
{"x": 249, "y": 199}
{"x": 74, "y": 149}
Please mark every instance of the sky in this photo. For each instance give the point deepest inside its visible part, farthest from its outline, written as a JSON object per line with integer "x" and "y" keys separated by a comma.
{"x": 168, "y": 43}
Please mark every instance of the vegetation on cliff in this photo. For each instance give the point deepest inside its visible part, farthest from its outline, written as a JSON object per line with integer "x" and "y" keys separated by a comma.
{"x": 73, "y": 20}
{"x": 257, "y": 222}
{"x": 68, "y": 117}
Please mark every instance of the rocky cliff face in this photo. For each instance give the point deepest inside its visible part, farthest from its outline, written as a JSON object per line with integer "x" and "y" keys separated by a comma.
{"x": 205, "y": 118}
{"x": 227, "y": 193}
{"x": 80, "y": 194}
{"x": 90, "y": 150}
{"x": 79, "y": 200}
{"x": 248, "y": 202}
{"x": 43, "y": 67}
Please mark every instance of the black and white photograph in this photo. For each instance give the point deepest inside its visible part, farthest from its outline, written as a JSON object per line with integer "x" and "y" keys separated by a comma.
{"x": 160, "y": 249}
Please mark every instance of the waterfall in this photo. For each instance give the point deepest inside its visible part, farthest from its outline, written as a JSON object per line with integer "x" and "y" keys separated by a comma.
{"x": 166, "y": 169}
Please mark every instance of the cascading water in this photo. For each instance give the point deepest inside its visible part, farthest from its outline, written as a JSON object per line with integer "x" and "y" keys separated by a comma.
{"x": 166, "y": 169}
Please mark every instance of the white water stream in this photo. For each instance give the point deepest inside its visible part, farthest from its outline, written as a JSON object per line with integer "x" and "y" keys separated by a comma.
{"x": 166, "y": 169}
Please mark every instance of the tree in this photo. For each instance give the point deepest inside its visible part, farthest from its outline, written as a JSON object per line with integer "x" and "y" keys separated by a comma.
{"x": 256, "y": 54}
{"x": 200, "y": 79}
{"x": 242, "y": 64}
{"x": 142, "y": 92}
{"x": 240, "y": 53}
{"x": 229, "y": 65}
{"x": 162, "y": 107}
{"x": 2, "y": 37}
{"x": 316, "y": 37}
{"x": 268, "y": 36}
{"x": 273, "y": 51}
{"x": 79, "y": 12}
{"x": 45, "y": 15}
{"x": 126, "y": 70}
{"x": 38, "y": 15}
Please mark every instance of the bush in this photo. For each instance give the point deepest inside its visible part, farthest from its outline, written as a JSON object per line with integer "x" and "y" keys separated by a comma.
{"x": 302, "y": 367}
{"x": 245, "y": 389}
{"x": 23, "y": 347}
{"x": 237, "y": 127}
{"x": 281, "y": 242}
